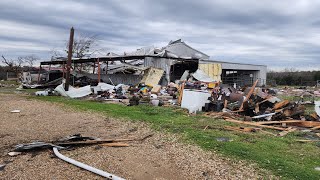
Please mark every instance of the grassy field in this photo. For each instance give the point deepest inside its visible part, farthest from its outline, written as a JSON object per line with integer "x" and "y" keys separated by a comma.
{"x": 282, "y": 155}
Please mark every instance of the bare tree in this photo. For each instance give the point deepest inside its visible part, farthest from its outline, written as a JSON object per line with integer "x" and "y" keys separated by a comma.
{"x": 14, "y": 65}
{"x": 20, "y": 61}
{"x": 83, "y": 46}
{"x": 30, "y": 59}
{"x": 10, "y": 63}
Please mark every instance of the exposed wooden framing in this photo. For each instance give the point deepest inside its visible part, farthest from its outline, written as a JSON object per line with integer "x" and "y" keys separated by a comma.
{"x": 117, "y": 58}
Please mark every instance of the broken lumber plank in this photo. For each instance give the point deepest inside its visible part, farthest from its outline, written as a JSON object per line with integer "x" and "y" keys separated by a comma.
{"x": 241, "y": 129}
{"x": 283, "y": 133}
{"x": 249, "y": 94}
{"x": 277, "y": 122}
{"x": 181, "y": 92}
{"x": 315, "y": 128}
{"x": 92, "y": 142}
{"x": 307, "y": 124}
{"x": 254, "y": 124}
{"x": 117, "y": 144}
{"x": 281, "y": 104}
{"x": 267, "y": 132}
{"x": 307, "y": 140}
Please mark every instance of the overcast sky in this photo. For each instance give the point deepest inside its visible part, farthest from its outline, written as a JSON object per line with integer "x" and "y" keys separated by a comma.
{"x": 280, "y": 34}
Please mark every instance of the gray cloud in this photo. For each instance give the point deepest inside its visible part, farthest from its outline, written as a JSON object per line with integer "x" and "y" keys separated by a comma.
{"x": 278, "y": 34}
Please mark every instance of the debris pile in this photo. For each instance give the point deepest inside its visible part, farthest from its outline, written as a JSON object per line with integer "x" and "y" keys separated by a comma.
{"x": 196, "y": 91}
{"x": 73, "y": 141}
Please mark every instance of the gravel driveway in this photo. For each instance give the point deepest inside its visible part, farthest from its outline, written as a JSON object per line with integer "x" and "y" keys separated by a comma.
{"x": 161, "y": 156}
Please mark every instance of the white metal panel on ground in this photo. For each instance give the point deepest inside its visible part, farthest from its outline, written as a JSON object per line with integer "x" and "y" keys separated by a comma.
{"x": 194, "y": 100}
{"x": 73, "y": 92}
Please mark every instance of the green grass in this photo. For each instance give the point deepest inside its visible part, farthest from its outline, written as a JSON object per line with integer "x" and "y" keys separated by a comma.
{"x": 281, "y": 155}
{"x": 9, "y": 82}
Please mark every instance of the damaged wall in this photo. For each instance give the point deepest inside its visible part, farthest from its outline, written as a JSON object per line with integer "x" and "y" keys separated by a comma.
{"x": 117, "y": 78}
{"x": 213, "y": 70}
{"x": 258, "y": 71}
{"x": 160, "y": 63}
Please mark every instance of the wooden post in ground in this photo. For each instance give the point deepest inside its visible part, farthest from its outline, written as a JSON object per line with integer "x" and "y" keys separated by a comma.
{"x": 39, "y": 74}
{"x": 99, "y": 71}
{"x": 94, "y": 67}
{"x": 63, "y": 70}
{"x": 66, "y": 87}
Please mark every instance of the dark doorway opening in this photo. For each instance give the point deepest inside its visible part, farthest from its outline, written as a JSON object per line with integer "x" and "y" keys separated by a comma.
{"x": 177, "y": 70}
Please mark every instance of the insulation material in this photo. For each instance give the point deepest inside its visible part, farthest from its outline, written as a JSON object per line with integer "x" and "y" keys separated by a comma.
{"x": 105, "y": 86}
{"x": 194, "y": 100}
{"x": 202, "y": 76}
{"x": 213, "y": 70}
{"x": 184, "y": 75}
{"x": 152, "y": 76}
{"x": 73, "y": 92}
{"x": 317, "y": 107}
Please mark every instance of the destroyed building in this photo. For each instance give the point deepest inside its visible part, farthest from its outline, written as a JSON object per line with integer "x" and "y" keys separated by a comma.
{"x": 174, "y": 59}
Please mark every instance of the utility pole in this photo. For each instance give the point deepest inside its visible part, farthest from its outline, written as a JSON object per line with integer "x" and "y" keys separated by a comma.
{"x": 66, "y": 87}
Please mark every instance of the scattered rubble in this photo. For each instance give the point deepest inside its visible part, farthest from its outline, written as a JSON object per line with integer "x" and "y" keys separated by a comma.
{"x": 71, "y": 142}
{"x": 197, "y": 91}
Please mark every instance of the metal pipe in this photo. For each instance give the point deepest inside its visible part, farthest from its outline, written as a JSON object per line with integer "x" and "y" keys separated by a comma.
{"x": 86, "y": 167}
{"x": 263, "y": 115}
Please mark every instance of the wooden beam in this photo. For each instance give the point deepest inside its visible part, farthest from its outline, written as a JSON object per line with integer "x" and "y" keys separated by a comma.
{"x": 116, "y": 144}
{"x": 307, "y": 124}
{"x": 181, "y": 92}
{"x": 249, "y": 94}
{"x": 255, "y": 124}
{"x": 281, "y": 104}
{"x": 315, "y": 128}
{"x": 277, "y": 122}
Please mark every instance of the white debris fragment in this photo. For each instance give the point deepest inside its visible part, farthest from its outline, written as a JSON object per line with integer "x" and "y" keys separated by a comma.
{"x": 16, "y": 111}
{"x": 14, "y": 153}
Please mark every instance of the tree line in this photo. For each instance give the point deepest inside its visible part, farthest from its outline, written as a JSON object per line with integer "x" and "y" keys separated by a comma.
{"x": 293, "y": 78}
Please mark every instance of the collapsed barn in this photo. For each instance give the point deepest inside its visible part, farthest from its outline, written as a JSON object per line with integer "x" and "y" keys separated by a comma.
{"x": 176, "y": 60}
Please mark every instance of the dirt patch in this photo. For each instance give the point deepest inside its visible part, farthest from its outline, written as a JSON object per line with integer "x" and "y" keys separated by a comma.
{"x": 158, "y": 157}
